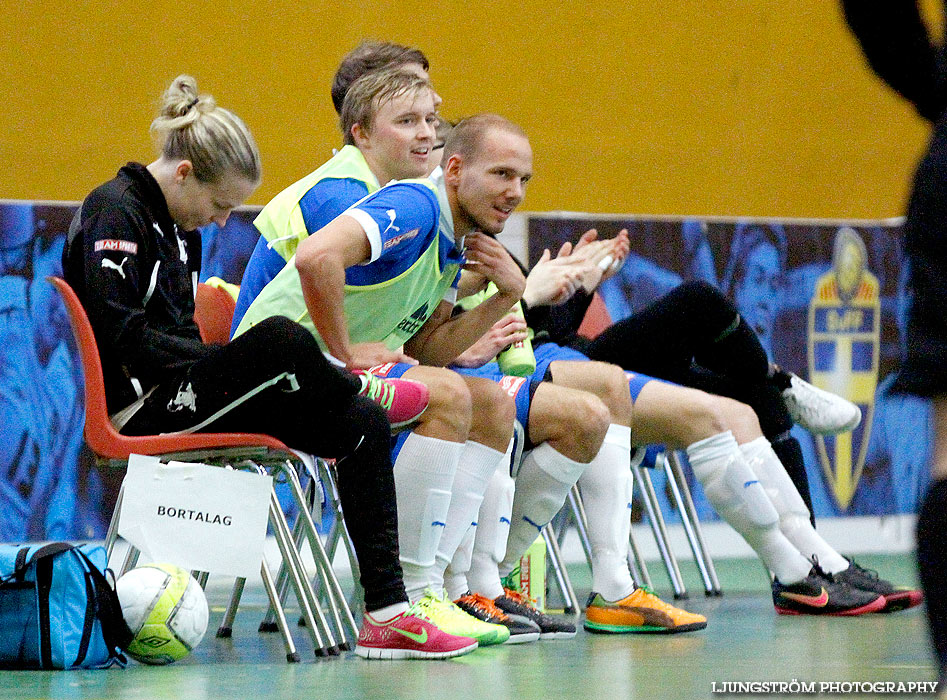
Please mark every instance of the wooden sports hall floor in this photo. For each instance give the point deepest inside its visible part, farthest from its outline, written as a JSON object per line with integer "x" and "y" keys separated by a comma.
{"x": 744, "y": 641}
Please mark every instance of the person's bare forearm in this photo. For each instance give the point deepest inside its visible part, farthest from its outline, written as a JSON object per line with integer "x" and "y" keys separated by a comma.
{"x": 323, "y": 281}
{"x": 444, "y": 342}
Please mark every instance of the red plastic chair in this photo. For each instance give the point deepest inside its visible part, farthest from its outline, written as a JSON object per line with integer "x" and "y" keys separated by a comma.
{"x": 213, "y": 313}
{"x": 260, "y": 451}
{"x": 102, "y": 437}
{"x": 596, "y": 319}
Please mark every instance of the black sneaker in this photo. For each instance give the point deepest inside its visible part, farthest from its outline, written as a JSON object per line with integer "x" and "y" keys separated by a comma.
{"x": 515, "y": 603}
{"x": 896, "y": 597}
{"x": 821, "y": 594}
{"x": 522, "y": 629}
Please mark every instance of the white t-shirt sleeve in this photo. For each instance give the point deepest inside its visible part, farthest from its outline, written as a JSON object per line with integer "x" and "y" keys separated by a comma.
{"x": 370, "y": 227}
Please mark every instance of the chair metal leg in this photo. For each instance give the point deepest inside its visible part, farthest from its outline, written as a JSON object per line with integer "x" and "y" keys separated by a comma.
{"x": 311, "y": 610}
{"x": 650, "y": 500}
{"x": 581, "y": 521}
{"x": 292, "y": 655}
{"x": 289, "y": 544}
{"x": 329, "y": 584}
{"x": 316, "y": 622}
{"x": 560, "y": 524}
{"x": 112, "y": 534}
{"x": 268, "y": 624}
{"x": 304, "y": 529}
{"x": 111, "y": 537}
{"x": 339, "y": 533}
{"x": 695, "y": 535}
{"x": 636, "y": 562}
{"x": 554, "y": 557}
{"x": 131, "y": 560}
{"x": 225, "y": 629}
{"x": 333, "y": 590}
{"x": 688, "y": 527}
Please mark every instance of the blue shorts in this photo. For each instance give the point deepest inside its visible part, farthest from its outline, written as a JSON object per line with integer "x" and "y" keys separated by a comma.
{"x": 547, "y": 353}
{"x": 637, "y": 381}
{"x": 391, "y": 370}
{"x": 520, "y": 389}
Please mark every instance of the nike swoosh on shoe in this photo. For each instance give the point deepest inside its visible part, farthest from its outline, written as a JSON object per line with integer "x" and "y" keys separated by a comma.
{"x": 413, "y": 636}
{"x": 819, "y": 601}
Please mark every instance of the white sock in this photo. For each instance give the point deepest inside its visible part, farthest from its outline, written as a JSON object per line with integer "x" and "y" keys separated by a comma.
{"x": 606, "y": 494}
{"x": 542, "y": 484}
{"x": 424, "y": 472}
{"x": 493, "y": 529}
{"x": 455, "y": 577}
{"x": 474, "y": 469}
{"x": 793, "y": 514}
{"x": 735, "y": 492}
{"x": 389, "y": 612}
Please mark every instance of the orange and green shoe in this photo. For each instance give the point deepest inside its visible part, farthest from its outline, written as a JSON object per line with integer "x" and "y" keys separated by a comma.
{"x": 642, "y": 612}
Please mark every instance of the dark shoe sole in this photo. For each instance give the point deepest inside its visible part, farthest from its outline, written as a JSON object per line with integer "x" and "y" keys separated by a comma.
{"x": 597, "y": 628}
{"x": 874, "y": 606}
{"x": 902, "y": 600}
{"x": 547, "y": 636}
{"x": 522, "y": 638}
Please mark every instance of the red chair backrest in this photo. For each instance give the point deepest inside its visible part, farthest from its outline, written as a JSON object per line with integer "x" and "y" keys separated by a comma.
{"x": 100, "y": 434}
{"x": 597, "y": 318}
{"x": 213, "y": 313}
{"x": 97, "y": 421}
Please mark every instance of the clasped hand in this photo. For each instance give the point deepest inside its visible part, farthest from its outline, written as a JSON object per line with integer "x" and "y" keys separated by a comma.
{"x": 486, "y": 256}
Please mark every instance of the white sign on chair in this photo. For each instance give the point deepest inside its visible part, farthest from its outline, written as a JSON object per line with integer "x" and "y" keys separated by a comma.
{"x": 196, "y": 516}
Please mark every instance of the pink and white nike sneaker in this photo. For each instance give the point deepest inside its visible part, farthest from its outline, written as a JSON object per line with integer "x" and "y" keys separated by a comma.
{"x": 410, "y": 635}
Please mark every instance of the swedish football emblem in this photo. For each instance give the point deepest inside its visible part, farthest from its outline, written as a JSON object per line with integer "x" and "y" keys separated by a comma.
{"x": 843, "y": 349}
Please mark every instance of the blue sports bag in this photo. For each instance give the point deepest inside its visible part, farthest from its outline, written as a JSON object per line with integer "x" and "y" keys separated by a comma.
{"x": 57, "y": 608}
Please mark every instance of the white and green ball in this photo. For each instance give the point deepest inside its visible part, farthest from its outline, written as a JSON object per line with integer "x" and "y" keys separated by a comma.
{"x": 165, "y": 609}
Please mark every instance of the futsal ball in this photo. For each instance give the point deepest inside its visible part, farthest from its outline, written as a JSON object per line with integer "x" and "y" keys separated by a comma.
{"x": 166, "y": 611}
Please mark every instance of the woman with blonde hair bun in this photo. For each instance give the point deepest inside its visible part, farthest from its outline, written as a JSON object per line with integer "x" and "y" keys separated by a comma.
{"x": 133, "y": 257}
{"x": 214, "y": 139}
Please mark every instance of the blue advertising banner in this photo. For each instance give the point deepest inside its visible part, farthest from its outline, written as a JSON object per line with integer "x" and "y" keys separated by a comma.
{"x": 50, "y": 485}
{"x": 828, "y": 302}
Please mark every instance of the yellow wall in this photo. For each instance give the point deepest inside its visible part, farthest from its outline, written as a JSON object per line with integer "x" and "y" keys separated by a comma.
{"x": 718, "y": 107}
